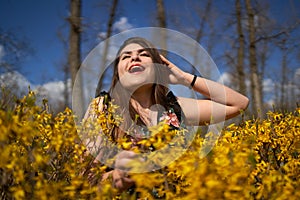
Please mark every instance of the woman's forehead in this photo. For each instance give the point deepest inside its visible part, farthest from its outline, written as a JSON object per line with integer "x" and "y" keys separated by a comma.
{"x": 131, "y": 47}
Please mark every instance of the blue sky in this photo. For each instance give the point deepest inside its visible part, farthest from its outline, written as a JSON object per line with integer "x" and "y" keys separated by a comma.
{"x": 40, "y": 21}
{"x": 37, "y": 21}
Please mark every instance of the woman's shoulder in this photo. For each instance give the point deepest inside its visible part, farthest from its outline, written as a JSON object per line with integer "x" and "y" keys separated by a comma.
{"x": 102, "y": 97}
{"x": 98, "y": 104}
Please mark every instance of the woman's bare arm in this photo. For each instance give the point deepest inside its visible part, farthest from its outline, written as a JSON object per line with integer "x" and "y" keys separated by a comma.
{"x": 222, "y": 102}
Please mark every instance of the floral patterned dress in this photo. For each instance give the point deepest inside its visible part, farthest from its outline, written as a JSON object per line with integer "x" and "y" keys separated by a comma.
{"x": 172, "y": 115}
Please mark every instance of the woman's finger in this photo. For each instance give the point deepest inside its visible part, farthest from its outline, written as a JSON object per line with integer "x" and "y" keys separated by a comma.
{"x": 165, "y": 61}
{"x": 121, "y": 180}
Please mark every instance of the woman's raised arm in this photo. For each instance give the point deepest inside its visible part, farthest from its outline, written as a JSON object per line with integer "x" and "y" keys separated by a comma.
{"x": 222, "y": 102}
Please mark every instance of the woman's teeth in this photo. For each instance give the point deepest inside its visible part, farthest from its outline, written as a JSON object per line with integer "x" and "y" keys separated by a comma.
{"x": 136, "y": 69}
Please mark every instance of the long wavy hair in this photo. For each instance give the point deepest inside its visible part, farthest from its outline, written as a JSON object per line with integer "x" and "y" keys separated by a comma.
{"x": 119, "y": 93}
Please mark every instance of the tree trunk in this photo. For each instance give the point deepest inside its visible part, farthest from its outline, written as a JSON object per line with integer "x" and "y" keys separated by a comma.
{"x": 263, "y": 60}
{"x": 106, "y": 46}
{"x": 283, "y": 82}
{"x": 74, "y": 38}
{"x": 241, "y": 49}
{"x": 74, "y": 53}
{"x": 66, "y": 85}
{"x": 161, "y": 17}
{"x": 257, "y": 106}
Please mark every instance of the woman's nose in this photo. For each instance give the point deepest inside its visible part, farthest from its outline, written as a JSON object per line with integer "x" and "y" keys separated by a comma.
{"x": 135, "y": 56}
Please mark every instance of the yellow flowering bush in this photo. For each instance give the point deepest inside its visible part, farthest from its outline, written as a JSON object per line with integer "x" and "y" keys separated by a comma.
{"x": 42, "y": 156}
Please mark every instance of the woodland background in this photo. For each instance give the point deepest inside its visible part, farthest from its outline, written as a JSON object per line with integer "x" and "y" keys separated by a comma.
{"x": 255, "y": 44}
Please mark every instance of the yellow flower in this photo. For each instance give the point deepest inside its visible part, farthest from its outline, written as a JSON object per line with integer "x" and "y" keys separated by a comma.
{"x": 43, "y": 157}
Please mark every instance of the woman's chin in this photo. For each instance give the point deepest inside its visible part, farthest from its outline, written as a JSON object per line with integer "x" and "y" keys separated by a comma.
{"x": 134, "y": 83}
{"x": 139, "y": 87}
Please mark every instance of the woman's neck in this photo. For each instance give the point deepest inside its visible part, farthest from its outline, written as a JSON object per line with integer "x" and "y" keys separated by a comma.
{"x": 143, "y": 103}
{"x": 142, "y": 98}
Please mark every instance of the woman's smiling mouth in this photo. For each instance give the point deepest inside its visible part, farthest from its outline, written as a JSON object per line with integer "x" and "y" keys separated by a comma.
{"x": 136, "y": 68}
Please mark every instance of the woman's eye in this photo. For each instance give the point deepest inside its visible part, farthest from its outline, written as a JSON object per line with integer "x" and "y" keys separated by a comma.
{"x": 145, "y": 54}
{"x": 125, "y": 57}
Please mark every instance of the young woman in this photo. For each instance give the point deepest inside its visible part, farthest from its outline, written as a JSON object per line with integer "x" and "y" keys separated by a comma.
{"x": 140, "y": 88}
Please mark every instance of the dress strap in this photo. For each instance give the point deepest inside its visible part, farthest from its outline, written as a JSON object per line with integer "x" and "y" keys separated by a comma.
{"x": 173, "y": 104}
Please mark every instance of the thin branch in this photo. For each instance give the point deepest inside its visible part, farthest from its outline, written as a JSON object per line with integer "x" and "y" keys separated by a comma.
{"x": 276, "y": 35}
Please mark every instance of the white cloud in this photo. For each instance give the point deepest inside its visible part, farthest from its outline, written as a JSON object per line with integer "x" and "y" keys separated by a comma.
{"x": 15, "y": 82}
{"x": 268, "y": 85}
{"x": 225, "y": 78}
{"x": 122, "y": 24}
{"x": 102, "y": 35}
{"x": 52, "y": 91}
{"x": 270, "y": 103}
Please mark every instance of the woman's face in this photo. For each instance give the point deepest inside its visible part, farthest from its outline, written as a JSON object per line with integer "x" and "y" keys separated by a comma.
{"x": 135, "y": 67}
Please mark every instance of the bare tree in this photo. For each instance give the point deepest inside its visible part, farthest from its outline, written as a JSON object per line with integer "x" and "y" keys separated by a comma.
{"x": 65, "y": 68}
{"x": 286, "y": 86}
{"x": 162, "y": 22}
{"x": 262, "y": 57}
{"x": 66, "y": 92}
{"x": 255, "y": 83}
{"x": 13, "y": 50}
{"x": 74, "y": 38}
{"x": 106, "y": 44}
{"x": 241, "y": 49}
{"x": 204, "y": 16}
{"x": 74, "y": 59}
{"x": 161, "y": 14}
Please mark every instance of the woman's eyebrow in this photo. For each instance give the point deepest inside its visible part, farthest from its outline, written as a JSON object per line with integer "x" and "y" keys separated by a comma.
{"x": 126, "y": 52}
{"x": 130, "y": 52}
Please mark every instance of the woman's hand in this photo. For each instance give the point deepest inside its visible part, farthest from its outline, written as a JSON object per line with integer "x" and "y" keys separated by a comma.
{"x": 121, "y": 180}
{"x": 123, "y": 160}
{"x": 174, "y": 73}
{"x": 120, "y": 175}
